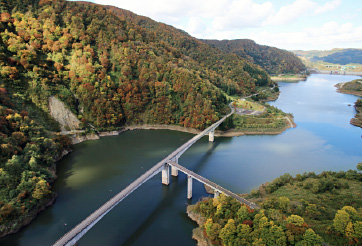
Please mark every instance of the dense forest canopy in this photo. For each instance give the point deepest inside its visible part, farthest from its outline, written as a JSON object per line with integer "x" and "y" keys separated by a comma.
{"x": 273, "y": 60}
{"x": 110, "y": 67}
{"x": 230, "y": 66}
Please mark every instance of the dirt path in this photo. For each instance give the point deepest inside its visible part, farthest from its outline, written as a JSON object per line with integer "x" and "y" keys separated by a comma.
{"x": 290, "y": 123}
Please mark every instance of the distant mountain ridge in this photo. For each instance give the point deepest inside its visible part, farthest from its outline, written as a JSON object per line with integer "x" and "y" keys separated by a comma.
{"x": 273, "y": 60}
{"x": 334, "y": 56}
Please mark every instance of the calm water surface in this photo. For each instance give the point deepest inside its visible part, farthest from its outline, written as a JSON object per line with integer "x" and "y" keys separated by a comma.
{"x": 155, "y": 214}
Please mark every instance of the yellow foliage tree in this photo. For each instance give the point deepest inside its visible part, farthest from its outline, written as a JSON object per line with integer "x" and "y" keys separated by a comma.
{"x": 41, "y": 189}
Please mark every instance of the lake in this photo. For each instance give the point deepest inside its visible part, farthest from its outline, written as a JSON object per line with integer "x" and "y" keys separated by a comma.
{"x": 155, "y": 214}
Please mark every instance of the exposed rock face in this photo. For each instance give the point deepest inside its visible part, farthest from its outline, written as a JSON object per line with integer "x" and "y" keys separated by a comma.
{"x": 67, "y": 120}
{"x": 197, "y": 233}
{"x": 208, "y": 189}
{"x": 78, "y": 139}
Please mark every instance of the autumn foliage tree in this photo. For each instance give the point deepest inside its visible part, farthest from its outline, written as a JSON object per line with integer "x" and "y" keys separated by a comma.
{"x": 348, "y": 223}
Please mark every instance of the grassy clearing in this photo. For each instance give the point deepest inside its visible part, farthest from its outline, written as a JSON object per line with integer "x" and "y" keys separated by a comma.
{"x": 244, "y": 104}
{"x": 256, "y": 124}
{"x": 272, "y": 120}
{"x": 265, "y": 94}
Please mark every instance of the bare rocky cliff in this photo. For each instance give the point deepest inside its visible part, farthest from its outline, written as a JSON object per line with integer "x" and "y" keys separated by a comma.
{"x": 67, "y": 120}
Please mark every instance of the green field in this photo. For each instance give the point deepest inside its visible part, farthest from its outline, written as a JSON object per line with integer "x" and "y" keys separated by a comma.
{"x": 271, "y": 120}
{"x": 244, "y": 104}
{"x": 257, "y": 124}
{"x": 353, "y": 87}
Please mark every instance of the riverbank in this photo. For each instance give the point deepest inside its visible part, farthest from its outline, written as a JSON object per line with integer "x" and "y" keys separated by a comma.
{"x": 357, "y": 120}
{"x": 233, "y": 132}
{"x": 198, "y": 233}
{"x": 28, "y": 218}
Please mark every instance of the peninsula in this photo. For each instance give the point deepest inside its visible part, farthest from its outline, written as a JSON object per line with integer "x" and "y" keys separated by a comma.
{"x": 354, "y": 88}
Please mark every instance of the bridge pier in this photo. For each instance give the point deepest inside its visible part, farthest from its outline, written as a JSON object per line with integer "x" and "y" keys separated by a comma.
{"x": 211, "y": 135}
{"x": 166, "y": 174}
{"x": 174, "y": 170}
{"x": 216, "y": 193}
{"x": 189, "y": 187}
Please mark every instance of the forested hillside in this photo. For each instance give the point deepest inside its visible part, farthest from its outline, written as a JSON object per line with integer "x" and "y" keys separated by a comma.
{"x": 27, "y": 157}
{"x": 110, "y": 68}
{"x": 229, "y": 72}
{"x": 273, "y": 60}
{"x": 117, "y": 70}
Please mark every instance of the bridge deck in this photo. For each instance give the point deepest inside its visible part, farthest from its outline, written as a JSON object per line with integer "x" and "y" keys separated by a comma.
{"x": 213, "y": 185}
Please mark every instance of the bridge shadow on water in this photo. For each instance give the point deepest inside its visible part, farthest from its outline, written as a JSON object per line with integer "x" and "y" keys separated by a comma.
{"x": 177, "y": 186}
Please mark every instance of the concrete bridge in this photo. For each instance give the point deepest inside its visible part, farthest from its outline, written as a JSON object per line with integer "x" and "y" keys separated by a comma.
{"x": 77, "y": 232}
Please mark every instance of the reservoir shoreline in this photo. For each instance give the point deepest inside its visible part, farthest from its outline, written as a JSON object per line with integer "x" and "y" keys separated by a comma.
{"x": 229, "y": 133}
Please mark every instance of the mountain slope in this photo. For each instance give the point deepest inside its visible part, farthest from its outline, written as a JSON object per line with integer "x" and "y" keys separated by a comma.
{"x": 126, "y": 68}
{"x": 228, "y": 70}
{"x": 273, "y": 60}
{"x": 110, "y": 68}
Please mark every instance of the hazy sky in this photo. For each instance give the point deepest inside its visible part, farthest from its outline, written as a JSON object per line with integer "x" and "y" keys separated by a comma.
{"x": 286, "y": 24}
